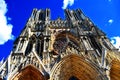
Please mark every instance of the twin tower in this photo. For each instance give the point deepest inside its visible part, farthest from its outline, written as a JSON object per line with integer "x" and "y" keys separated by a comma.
{"x": 69, "y": 49}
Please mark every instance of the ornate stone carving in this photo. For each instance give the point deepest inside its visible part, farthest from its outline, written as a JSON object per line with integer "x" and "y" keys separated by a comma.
{"x": 73, "y": 48}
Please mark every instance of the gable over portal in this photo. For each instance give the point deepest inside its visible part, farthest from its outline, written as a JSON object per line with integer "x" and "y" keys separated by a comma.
{"x": 61, "y": 49}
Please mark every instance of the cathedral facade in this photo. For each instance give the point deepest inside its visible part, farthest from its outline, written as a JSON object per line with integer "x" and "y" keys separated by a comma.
{"x": 70, "y": 49}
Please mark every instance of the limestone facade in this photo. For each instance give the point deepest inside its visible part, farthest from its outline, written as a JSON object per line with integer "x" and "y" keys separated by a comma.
{"x": 73, "y": 48}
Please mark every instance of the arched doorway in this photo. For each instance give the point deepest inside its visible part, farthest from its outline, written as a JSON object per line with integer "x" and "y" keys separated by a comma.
{"x": 74, "y": 67}
{"x": 115, "y": 70}
{"x": 29, "y": 73}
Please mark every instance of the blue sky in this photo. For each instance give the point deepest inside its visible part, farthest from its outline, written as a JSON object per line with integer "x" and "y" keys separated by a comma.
{"x": 14, "y": 15}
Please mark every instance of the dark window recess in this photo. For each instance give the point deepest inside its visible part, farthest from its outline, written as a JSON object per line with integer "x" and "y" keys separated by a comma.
{"x": 78, "y": 14}
{"x": 96, "y": 45}
{"x": 41, "y": 16}
{"x": 29, "y": 48}
{"x": 39, "y": 48}
{"x": 47, "y": 13}
{"x": 67, "y": 15}
{"x": 41, "y": 51}
{"x": 76, "y": 18}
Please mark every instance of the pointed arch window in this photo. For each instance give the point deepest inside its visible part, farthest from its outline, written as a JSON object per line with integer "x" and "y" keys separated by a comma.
{"x": 29, "y": 48}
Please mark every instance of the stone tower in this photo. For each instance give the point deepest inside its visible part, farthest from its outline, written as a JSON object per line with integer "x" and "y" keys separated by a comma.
{"x": 69, "y": 49}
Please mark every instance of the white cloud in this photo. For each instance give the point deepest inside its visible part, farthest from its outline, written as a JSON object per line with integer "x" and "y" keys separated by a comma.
{"x": 67, "y": 2}
{"x": 110, "y": 21}
{"x": 5, "y": 27}
{"x": 116, "y": 41}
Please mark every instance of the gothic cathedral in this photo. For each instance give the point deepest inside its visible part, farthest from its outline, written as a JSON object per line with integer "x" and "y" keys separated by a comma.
{"x": 70, "y": 49}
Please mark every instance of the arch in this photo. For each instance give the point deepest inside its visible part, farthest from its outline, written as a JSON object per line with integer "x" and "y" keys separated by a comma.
{"x": 74, "y": 65}
{"x": 29, "y": 73}
{"x": 115, "y": 70}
